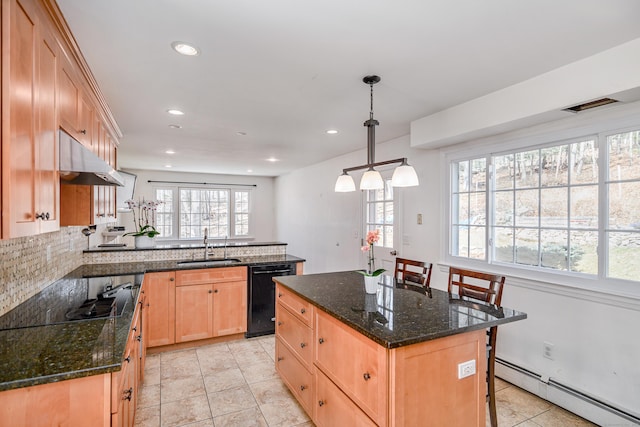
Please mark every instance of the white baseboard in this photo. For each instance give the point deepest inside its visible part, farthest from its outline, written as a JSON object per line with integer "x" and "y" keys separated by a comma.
{"x": 577, "y": 403}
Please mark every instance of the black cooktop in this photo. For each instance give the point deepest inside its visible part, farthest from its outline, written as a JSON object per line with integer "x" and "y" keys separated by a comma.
{"x": 72, "y": 299}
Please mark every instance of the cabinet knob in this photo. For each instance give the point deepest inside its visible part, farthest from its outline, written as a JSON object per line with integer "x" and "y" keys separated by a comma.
{"x": 321, "y": 340}
{"x": 303, "y": 387}
{"x": 139, "y": 338}
{"x": 279, "y": 295}
{"x": 303, "y": 311}
{"x": 366, "y": 376}
{"x": 127, "y": 359}
{"x": 128, "y": 394}
{"x": 279, "y": 323}
{"x": 171, "y": 279}
{"x": 210, "y": 291}
{"x": 216, "y": 291}
{"x": 280, "y": 359}
{"x": 320, "y": 402}
{"x": 83, "y": 131}
{"x": 135, "y": 329}
{"x": 43, "y": 215}
{"x": 302, "y": 345}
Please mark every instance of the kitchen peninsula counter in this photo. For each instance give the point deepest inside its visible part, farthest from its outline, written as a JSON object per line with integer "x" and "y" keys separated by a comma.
{"x": 402, "y": 356}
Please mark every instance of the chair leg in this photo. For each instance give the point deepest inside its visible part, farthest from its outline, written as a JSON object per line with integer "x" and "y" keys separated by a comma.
{"x": 492, "y": 393}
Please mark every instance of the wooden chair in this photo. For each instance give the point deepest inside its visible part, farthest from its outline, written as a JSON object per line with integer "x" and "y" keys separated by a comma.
{"x": 488, "y": 288}
{"x": 413, "y": 272}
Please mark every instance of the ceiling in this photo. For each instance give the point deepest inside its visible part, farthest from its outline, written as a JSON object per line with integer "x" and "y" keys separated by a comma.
{"x": 273, "y": 76}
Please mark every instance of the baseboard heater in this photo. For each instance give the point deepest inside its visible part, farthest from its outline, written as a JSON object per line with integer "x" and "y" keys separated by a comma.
{"x": 575, "y": 393}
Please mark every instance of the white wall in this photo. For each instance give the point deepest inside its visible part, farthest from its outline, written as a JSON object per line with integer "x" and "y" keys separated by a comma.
{"x": 596, "y": 344}
{"x": 262, "y": 197}
{"x": 324, "y": 227}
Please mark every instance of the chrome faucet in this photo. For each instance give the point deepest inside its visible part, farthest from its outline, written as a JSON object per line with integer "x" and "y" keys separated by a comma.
{"x": 206, "y": 244}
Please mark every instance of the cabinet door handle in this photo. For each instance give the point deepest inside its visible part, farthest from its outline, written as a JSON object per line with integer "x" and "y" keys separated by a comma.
{"x": 139, "y": 337}
{"x": 321, "y": 340}
{"x": 280, "y": 359}
{"x": 128, "y": 394}
{"x": 320, "y": 402}
{"x": 84, "y": 132}
{"x": 135, "y": 329}
{"x": 279, "y": 323}
{"x": 171, "y": 279}
{"x": 279, "y": 295}
{"x": 303, "y": 311}
{"x": 303, "y": 387}
{"x": 127, "y": 359}
{"x": 302, "y": 345}
{"x": 366, "y": 376}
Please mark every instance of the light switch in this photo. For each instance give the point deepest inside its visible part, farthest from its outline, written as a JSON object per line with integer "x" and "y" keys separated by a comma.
{"x": 419, "y": 219}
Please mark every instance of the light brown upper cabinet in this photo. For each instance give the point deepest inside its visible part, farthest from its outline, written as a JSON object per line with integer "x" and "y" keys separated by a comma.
{"x": 30, "y": 188}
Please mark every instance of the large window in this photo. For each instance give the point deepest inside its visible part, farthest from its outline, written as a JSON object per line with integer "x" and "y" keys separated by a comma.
{"x": 186, "y": 212}
{"x": 551, "y": 208}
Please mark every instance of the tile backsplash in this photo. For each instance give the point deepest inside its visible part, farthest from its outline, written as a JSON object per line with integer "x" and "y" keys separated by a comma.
{"x": 30, "y": 264}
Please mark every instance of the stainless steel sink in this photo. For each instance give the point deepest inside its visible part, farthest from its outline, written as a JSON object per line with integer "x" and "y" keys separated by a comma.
{"x": 213, "y": 262}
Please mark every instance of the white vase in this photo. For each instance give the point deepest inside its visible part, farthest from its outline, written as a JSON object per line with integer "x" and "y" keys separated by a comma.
{"x": 371, "y": 284}
{"x": 144, "y": 242}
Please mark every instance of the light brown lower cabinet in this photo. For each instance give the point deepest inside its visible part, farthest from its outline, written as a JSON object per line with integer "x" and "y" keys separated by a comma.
{"x": 210, "y": 303}
{"x": 358, "y": 382}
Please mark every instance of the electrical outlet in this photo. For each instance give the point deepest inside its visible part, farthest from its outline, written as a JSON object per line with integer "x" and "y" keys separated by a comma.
{"x": 547, "y": 350}
{"x": 466, "y": 369}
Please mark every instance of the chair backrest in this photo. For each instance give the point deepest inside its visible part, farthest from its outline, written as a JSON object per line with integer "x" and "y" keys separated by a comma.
{"x": 480, "y": 286}
{"x": 418, "y": 272}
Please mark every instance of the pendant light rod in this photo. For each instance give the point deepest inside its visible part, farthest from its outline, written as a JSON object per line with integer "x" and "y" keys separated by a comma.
{"x": 371, "y": 165}
{"x": 371, "y": 123}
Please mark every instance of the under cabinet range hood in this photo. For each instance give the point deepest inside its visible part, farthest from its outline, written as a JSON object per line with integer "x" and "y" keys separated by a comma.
{"x": 80, "y": 166}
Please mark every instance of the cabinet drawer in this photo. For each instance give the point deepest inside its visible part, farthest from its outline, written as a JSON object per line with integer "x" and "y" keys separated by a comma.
{"x": 296, "y": 334}
{"x": 295, "y": 375}
{"x": 363, "y": 378}
{"x": 210, "y": 275}
{"x": 333, "y": 408}
{"x": 302, "y": 309}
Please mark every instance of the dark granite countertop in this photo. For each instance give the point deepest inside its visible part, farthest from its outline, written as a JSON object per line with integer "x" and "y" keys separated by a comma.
{"x": 395, "y": 316}
{"x": 50, "y": 352}
{"x": 117, "y": 269}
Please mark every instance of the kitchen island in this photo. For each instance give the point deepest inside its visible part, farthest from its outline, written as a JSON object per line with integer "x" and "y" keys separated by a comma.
{"x": 399, "y": 357}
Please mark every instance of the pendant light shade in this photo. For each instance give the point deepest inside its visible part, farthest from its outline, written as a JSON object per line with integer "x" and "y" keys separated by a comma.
{"x": 371, "y": 180}
{"x": 403, "y": 176}
{"x": 345, "y": 183}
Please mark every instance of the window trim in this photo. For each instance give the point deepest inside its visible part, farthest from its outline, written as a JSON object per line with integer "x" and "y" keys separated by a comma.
{"x": 600, "y": 124}
{"x": 176, "y": 218}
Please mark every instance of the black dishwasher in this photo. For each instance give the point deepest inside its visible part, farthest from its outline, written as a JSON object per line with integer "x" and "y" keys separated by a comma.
{"x": 262, "y": 297}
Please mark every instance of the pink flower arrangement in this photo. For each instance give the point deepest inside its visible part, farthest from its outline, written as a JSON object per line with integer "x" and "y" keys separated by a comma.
{"x": 373, "y": 237}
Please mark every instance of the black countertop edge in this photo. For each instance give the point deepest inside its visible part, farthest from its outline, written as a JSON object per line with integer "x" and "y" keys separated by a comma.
{"x": 161, "y": 247}
{"x": 377, "y": 333}
{"x": 141, "y": 267}
{"x": 47, "y": 379}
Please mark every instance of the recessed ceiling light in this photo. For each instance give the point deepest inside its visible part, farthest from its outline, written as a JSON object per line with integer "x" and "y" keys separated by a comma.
{"x": 170, "y": 152}
{"x": 249, "y": 170}
{"x": 272, "y": 159}
{"x": 332, "y": 131}
{"x": 167, "y": 166}
{"x": 175, "y": 112}
{"x": 241, "y": 133}
{"x": 185, "y": 49}
{"x": 175, "y": 126}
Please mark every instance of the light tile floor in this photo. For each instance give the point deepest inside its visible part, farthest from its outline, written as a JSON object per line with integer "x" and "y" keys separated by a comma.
{"x": 235, "y": 384}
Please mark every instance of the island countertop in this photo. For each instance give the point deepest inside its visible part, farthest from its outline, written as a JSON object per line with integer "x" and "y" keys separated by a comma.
{"x": 395, "y": 316}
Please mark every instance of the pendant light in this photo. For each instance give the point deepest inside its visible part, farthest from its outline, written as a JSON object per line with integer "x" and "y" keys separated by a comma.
{"x": 403, "y": 176}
